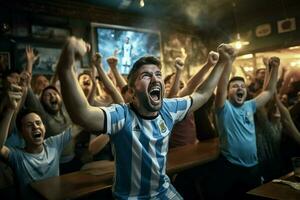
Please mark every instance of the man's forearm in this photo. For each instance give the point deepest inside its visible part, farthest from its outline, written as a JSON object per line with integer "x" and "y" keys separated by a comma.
{"x": 175, "y": 85}
{"x": 208, "y": 86}
{"x": 121, "y": 82}
{"x": 73, "y": 96}
{"x": 4, "y": 125}
{"x": 205, "y": 90}
{"x": 194, "y": 81}
{"x": 116, "y": 96}
{"x": 273, "y": 80}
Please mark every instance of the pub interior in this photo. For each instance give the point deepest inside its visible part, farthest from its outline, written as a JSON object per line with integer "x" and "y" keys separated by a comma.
{"x": 149, "y": 99}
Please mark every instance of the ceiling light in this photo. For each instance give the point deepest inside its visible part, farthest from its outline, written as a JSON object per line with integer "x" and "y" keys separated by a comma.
{"x": 142, "y": 3}
{"x": 246, "y": 56}
{"x": 295, "y": 47}
{"x": 238, "y": 44}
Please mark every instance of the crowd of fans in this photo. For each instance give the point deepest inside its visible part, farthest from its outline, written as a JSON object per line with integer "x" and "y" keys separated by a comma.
{"x": 257, "y": 124}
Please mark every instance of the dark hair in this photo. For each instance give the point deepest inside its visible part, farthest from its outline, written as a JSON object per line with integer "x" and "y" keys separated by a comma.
{"x": 86, "y": 72}
{"x": 24, "y": 112}
{"x": 49, "y": 87}
{"x": 235, "y": 78}
{"x": 138, "y": 64}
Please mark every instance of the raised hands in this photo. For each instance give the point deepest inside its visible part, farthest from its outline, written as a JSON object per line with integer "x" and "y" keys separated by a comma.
{"x": 30, "y": 56}
{"x": 97, "y": 59}
{"x": 78, "y": 47}
{"x": 265, "y": 61}
{"x": 226, "y": 53}
{"x": 112, "y": 61}
{"x": 25, "y": 79}
{"x": 274, "y": 62}
{"x": 212, "y": 58}
{"x": 179, "y": 64}
{"x": 14, "y": 93}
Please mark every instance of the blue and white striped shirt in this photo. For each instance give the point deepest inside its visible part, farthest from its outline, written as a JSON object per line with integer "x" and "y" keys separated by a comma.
{"x": 140, "y": 146}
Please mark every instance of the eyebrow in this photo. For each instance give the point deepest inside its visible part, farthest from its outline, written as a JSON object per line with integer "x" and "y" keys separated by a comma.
{"x": 35, "y": 121}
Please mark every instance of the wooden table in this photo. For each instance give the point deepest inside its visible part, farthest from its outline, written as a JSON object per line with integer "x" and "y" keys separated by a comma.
{"x": 276, "y": 190}
{"x": 77, "y": 184}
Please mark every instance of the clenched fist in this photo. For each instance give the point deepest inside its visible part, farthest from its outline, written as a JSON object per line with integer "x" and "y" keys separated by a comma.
{"x": 112, "y": 61}
{"x": 274, "y": 62}
{"x": 179, "y": 63}
{"x": 226, "y": 53}
{"x": 79, "y": 47}
{"x": 97, "y": 59}
{"x": 212, "y": 58}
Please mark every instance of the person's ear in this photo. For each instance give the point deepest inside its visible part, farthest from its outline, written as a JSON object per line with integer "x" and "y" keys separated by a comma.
{"x": 131, "y": 92}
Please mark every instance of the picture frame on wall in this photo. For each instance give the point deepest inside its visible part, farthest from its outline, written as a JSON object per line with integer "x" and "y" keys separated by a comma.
{"x": 48, "y": 32}
{"x": 47, "y": 58}
{"x": 46, "y": 62}
{"x": 4, "y": 61}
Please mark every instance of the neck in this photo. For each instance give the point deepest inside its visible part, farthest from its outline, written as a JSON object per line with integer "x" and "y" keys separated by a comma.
{"x": 34, "y": 149}
{"x": 143, "y": 112}
{"x": 235, "y": 104}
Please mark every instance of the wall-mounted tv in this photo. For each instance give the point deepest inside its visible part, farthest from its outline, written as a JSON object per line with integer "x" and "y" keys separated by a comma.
{"x": 126, "y": 43}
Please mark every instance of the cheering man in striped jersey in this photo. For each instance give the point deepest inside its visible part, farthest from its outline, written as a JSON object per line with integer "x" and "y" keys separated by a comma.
{"x": 139, "y": 131}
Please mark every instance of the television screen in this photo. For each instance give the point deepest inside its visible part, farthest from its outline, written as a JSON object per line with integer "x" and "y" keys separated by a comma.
{"x": 126, "y": 44}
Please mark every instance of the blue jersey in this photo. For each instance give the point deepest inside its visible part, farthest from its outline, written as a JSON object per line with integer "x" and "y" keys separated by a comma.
{"x": 31, "y": 167}
{"x": 237, "y": 133}
{"x": 140, "y": 145}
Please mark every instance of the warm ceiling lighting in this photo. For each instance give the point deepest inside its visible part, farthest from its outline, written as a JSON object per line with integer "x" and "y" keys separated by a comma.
{"x": 295, "y": 47}
{"x": 296, "y": 56}
{"x": 246, "y": 56}
{"x": 248, "y": 69}
{"x": 295, "y": 63}
{"x": 142, "y": 3}
{"x": 238, "y": 44}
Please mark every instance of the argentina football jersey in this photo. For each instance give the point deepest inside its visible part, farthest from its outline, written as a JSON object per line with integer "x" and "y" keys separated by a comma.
{"x": 140, "y": 145}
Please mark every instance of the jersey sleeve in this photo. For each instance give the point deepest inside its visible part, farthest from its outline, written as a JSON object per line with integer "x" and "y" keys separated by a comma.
{"x": 178, "y": 107}
{"x": 115, "y": 117}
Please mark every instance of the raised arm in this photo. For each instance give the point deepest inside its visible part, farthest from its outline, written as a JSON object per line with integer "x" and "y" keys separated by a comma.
{"x": 113, "y": 62}
{"x": 205, "y": 90}
{"x": 81, "y": 113}
{"x": 221, "y": 94}
{"x": 25, "y": 79}
{"x": 14, "y": 96}
{"x": 32, "y": 100}
{"x": 179, "y": 66}
{"x": 54, "y": 79}
{"x": 195, "y": 80}
{"x": 267, "y": 73}
{"x": 31, "y": 58}
{"x": 113, "y": 91}
{"x": 287, "y": 121}
{"x": 92, "y": 94}
{"x": 286, "y": 81}
{"x": 269, "y": 91}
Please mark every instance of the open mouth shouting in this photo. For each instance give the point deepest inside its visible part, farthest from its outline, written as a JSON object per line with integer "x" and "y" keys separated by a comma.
{"x": 87, "y": 83}
{"x": 240, "y": 96}
{"x": 54, "y": 102}
{"x": 37, "y": 136}
{"x": 155, "y": 94}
